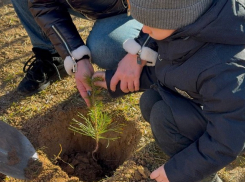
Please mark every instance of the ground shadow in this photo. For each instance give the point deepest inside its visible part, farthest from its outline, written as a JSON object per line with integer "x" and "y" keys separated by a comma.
{"x": 4, "y": 2}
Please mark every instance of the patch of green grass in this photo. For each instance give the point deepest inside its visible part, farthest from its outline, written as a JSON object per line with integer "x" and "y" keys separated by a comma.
{"x": 9, "y": 77}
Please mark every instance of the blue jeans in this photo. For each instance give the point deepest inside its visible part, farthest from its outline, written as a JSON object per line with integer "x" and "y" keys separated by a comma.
{"x": 105, "y": 40}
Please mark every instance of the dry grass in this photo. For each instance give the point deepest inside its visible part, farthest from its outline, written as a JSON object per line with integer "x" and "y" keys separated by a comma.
{"x": 16, "y": 109}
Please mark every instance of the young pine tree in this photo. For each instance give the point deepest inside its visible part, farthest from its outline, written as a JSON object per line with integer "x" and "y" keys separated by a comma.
{"x": 97, "y": 122}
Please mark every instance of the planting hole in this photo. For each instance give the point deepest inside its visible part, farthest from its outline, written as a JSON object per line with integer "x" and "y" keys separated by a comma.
{"x": 73, "y": 151}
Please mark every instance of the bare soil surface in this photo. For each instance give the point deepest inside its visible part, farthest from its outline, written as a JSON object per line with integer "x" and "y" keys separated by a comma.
{"x": 33, "y": 169}
{"x": 44, "y": 119}
{"x": 13, "y": 158}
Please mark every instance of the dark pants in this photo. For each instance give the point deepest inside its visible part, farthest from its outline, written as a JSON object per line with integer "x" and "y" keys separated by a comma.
{"x": 176, "y": 122}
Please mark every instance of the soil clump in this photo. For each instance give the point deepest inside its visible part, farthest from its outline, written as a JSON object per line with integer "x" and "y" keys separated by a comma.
{"x": 13, "y": 158}
{"x": 83, "y": 166}
{"x": 33, "y": 169}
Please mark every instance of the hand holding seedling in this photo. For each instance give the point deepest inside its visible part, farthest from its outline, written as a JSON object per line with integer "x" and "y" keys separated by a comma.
{"x": 84, "y": 69}
{"x": 128, "y": 73}
{"x": 101, "y": 82}
{"x": 97, "y": 122}
{"x": 159, "y": 175}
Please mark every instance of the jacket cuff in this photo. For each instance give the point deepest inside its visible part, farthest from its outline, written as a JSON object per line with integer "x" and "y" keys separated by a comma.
{"x": 77, "y": 54}
{"x": 147, "y": 54}
{"x": 131, "y": 46}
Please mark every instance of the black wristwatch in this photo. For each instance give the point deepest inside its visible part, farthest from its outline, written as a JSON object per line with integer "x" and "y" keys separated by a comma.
{"x": 84, "y": 57}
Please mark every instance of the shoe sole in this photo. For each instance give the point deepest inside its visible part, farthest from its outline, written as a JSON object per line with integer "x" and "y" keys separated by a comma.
{"x": 44, "y": 86}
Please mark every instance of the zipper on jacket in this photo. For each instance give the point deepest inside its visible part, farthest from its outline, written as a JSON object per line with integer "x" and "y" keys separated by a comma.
{"x": 139, "y": 52}
{"x": 78, "y": 10}
{"x": 71, "y": 5}
{"x": 124, "y": 3}
{"x": 74, "y": 68}
{"x": 40, "y": 4}
{"x": 146, "y": 40}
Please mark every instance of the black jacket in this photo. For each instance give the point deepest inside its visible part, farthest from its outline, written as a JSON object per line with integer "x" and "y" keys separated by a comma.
{"x": 54, "y": 19}
{"x": 206, "y": 60}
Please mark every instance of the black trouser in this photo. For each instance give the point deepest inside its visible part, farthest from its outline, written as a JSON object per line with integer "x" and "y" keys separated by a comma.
{"x": 176, "y": 122}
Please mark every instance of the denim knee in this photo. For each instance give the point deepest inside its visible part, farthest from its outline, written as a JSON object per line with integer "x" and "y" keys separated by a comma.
{"x": 19, "y": 2}
{"x": 106, "y": 39}
{"x": 105, "y": 52}
{"x": 37, "y": 36}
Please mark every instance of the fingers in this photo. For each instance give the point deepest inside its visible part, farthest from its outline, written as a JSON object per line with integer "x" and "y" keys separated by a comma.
{"x": 99, "y": 74}
{"x": 131, "y": 86}
{"x": 102, "y": 82}
{"x": 159, "y": 175}
{"x": 84, "y": 70}
{"x": 136, "y": 85}
{"x": 124, "y": 86}
{"x": 83, "y": 92}
{"x": 155, "y": 174}
{"x": 114, "y": 82}
{"x": 83, "y": 89}
{"x": 128, "y": 74}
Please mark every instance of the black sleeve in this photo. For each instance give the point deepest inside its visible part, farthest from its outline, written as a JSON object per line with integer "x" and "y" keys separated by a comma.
{"x": 50, "y": 14}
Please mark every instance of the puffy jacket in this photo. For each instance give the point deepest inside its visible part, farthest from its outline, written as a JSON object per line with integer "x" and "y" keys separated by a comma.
{"x": 54, "y": 19}
{"x": 205, "y": 62}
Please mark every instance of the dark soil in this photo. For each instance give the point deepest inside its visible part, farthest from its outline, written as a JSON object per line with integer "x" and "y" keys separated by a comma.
{"x": 83, "y": 166}
{"x": 72, "y": 151}
{"x": 13, "y": 158}
{"x": 33, "y": 169}
{"x": 2, "y": 177}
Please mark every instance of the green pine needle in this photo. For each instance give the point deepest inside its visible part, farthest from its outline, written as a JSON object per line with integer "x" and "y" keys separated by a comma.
{"x": 97, "y": 123}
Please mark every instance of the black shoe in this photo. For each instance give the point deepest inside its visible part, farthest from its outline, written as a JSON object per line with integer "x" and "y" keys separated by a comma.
{"x": 40, "y": 69}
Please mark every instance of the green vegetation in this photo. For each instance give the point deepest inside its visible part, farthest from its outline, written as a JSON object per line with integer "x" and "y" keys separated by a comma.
{"x": 97, "y": 122}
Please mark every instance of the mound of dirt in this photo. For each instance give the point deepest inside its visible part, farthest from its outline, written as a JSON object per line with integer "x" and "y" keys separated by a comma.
{"x": 33, "y": 169}
{"x": 84, "y": 166}
{"x": 13, "y": 158}
{"x": 67, "y": 155}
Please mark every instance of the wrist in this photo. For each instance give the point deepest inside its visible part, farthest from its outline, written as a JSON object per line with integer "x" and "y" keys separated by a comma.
{"x": 140, "y": 62}
{"x": 70, "y": 62}
{"x": 144, "y": 53}
{"x": 143, "y": 63}
{"x": 85, "y": 57}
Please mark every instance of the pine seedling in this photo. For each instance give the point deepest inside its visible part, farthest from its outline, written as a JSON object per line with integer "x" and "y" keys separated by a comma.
{"x": 95, "y": 90}
{"x": 97, "y": 122}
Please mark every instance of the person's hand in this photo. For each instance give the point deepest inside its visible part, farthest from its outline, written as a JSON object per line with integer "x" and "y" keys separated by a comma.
{"x": 128, "y": 72}
{"x": 101, "y": 82}
{"x": 159, "y": 175}
{"x": 84, "y": 70}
